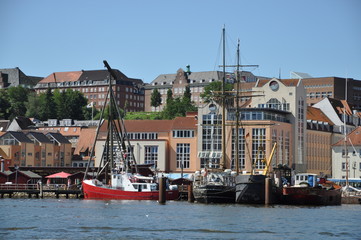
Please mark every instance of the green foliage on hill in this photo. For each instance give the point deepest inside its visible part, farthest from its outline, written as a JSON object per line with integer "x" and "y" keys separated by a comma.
{"x": 143, "y": 116}
{"x": 20, "y": 101}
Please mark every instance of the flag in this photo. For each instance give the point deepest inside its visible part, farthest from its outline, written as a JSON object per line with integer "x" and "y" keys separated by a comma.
{"x": 90, "y": 105}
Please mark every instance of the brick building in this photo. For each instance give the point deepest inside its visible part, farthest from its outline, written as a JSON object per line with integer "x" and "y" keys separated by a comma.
{"x": 195, "y": 80}
{"x": 129, "y": 92}
{"x": 333, "y": 87}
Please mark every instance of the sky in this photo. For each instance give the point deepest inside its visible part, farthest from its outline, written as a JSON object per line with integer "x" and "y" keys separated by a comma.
{"x": 144, "y": 38}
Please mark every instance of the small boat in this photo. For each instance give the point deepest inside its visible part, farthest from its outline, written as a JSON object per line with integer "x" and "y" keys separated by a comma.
{"x": 214, "y": 187}
{"x": 308, "y": 191}
{"x": 118, "y": 176}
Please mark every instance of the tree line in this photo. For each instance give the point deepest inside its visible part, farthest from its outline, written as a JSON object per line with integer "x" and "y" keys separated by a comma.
{"x": 20, "y": 101}
{"x": 70, "y": 104}
{"x": 178, "y": 107}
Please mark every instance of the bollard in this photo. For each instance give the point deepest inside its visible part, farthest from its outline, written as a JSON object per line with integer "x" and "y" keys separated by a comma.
{"x": 162, "y": 192}
{"x": 190, "y": 193}
{"x": 41, "y": 190}
{"x": 267, "y": 191}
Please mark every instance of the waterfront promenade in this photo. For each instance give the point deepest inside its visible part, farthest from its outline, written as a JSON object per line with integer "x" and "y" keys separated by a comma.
{"x": 39, "y": 190}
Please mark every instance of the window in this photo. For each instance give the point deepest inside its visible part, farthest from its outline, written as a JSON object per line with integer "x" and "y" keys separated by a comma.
{"x": 183, "y": 155}
{"x": 183, "y": 133}
{"x": 212, "y": 132}
{"x": 8, "y": 140}
{"x": 258, "y": 147}
{"x": 241, "y": 148}
{"x": 300, "y": 129}
{"x": 151, "y": 155}
{"x": 343, "y": 166}
{"x": 344, "y": 153}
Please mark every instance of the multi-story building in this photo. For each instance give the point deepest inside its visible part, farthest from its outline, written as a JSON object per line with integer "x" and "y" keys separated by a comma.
{"x": 333, "y": 87}
{"x": 196, "y": 81}
{"x": 320, "y": 137}
{"x": 274, "y": 114}
{"x": 43, "y": 150}
{"x": 35, "y": 149}
{"x": 341, "y": 113}
{"x": 169, "y": 145}
{"x": 346, "y": 156}
{"x": 62, "y": 149}
{"x": 18, "y": 148}
{"x": 129, "y": 93}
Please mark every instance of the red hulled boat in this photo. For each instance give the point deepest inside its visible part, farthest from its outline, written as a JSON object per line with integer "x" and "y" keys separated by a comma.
{"x": 117, "y": 165}
{"x": 307, "y": 191}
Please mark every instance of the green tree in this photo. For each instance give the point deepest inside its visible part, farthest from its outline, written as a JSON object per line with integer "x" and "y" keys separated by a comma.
{"x": 47, "y": 108}
{"x": 155, "y": 99}
{"x": 62, "y": 104}
{"x": 33, "y": 105}
{"x": 4, "y": 104}
{"x": 213, "y": 92}
{"x": 169, "y": 95}
{"x": 75, "y": 102}
{"x": 178, "y": 107}
{"x": 17, "y": 96}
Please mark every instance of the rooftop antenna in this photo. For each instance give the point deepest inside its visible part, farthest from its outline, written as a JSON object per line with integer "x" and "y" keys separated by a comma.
{"x": 279, "y": 73}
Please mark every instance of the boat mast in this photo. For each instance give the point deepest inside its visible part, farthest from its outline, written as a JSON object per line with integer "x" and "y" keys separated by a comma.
{"x": 237, "y": 113}
{"x": 345, "y": 133}
{"x": 222, "y": 165}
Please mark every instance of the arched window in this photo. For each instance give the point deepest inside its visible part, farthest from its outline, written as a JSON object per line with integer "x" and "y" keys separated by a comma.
{"x": 274, "y": 103}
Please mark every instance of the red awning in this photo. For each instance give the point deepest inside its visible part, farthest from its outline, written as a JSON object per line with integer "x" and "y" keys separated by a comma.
{"x": 59, "y": 175}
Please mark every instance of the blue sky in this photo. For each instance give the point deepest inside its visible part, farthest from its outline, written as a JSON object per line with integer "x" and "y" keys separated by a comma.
{"x": 144, "y": 38}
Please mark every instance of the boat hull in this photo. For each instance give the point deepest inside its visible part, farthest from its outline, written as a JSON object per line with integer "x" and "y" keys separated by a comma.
{"x": 250, "y": 189}
{"x": 311, "y": 196}
{"x": 101, "y": 192}
{"x": 214, "y": 194}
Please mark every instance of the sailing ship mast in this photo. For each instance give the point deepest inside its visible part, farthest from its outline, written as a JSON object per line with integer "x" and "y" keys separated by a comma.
{"x": 237, "y": 114}
{"x": 116, "y": 132}
{"x": 223, "y": 102}
{"x": 237, "y": 100}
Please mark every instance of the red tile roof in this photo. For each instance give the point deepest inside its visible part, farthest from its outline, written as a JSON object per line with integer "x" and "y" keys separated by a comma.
{"x": 286, "y": 82}
{"x": 353, "y": 138}
{"x": 185, "y": 123}
{"x": 86, "y": 140}
{"x": 318, "y": 115}
{"x": 62, "y": 77}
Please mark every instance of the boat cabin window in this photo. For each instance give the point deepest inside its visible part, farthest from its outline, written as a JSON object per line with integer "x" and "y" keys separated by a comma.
{"x": 140, "y": 186}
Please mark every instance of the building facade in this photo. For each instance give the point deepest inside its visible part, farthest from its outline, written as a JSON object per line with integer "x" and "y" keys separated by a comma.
{"x": 169, "y": 145}
{"x": 196, "y": 81}
{"x": 129, "y": 92}
{"x": 286, "y": 95}
{"x": 320, "y": 137}
{"x": 34, "y": 149}
{"x": 346, "y": 156}
{"x": 333, "y": 87}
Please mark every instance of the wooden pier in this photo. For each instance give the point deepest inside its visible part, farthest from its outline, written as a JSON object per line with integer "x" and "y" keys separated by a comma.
{"x": 38, "y": 190}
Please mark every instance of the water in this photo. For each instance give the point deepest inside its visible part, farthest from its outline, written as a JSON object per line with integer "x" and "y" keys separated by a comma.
{"x": 94, "y": 219}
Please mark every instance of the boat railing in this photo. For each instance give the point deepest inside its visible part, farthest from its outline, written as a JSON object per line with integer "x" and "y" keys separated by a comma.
{"x": 16, "y": 186}
{"x": 55, "y": 187}
{"x": 33, "y": 187}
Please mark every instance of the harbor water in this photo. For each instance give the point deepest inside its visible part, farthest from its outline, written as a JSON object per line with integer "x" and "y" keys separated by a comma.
{"x": 95, "y": 219}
